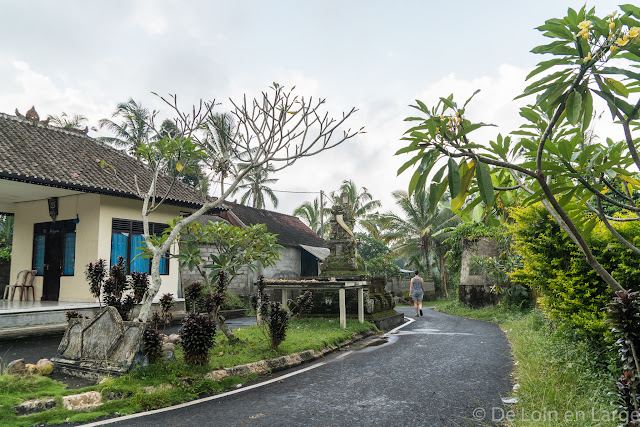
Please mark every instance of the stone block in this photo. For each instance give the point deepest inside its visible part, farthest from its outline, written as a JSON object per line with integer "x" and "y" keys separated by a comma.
{"x": 16, "y": 367}
{"x": 83, "y": 401}
{"x": 103, "y": 345}
{"x": 34, "y": 406}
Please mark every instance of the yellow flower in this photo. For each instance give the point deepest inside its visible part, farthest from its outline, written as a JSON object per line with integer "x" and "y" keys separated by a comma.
{"x": 584, "y": 24}
{"x": 634, "y": 32}
{"x": 613, "y": 49}
{"x": 588, "y": 58}
{"x": 584, "y": 33}
{"x": 612, "y": 25}
{"x": 622, "y": 42}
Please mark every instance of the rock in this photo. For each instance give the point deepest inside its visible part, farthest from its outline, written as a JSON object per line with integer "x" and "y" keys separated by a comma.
{"x": 157, "y": 388}
{"x": 168, "y": 347}
{"x": 31, "y": 369}
{"x": 16, "y": 367}
{"x": 45, "y": 367}
{"x": 82, "y": 402}
{"x": 34, "y": 406}
{"x": 174, "y": 338}
{"x": 165, "y": 338}
{"x": 168, "y": 355}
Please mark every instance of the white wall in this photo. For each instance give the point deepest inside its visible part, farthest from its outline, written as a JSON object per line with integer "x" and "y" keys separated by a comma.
{"x": 93, "y": 237}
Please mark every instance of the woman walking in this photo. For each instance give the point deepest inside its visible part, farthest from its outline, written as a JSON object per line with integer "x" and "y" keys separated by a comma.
{"x": 416, "y": 290}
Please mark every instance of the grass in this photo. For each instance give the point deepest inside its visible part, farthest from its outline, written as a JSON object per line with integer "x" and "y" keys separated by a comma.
{"x": 170, "y": 382}
{"x": 562, "y": 382}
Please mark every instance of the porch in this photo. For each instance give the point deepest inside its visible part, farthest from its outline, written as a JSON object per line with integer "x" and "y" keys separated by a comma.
{"x": 29, "y": 318}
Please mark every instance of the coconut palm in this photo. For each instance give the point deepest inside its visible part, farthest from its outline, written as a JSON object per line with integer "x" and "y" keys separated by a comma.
{"x": 361, "y": 200}
{"x": 255, "y": 184}
{"x": 75, "y": 121}
{"x": 310, "y": 214}
{"x": 133, "y": 129}
{"x": 218, "y": 141}
{"x": 419, "y": 233}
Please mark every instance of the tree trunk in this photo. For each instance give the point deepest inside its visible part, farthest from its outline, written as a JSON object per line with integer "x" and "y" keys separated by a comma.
{"x": 224, "y": 328}
{"x": 156, "y": 282}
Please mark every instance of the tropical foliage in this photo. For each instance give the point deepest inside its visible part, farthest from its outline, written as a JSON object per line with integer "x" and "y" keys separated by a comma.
{"x": 311, "y": 214}
{"x": 550, "y": 160}
{"x": 419, "y": 234}
{"x": 6, "y": 236}
{"x": 133, "y": 128}
{"x": 69, "y": 121}
{"x": 256, "y": 186}
{"x": 362, "y": 200}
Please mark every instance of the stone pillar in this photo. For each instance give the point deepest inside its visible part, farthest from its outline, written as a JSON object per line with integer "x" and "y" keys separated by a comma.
{"x": 475, "y": 283}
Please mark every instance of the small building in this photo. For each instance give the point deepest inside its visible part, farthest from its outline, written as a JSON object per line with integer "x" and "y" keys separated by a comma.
{"x": 302, "y": 251}
{"x": 74, "y": 202}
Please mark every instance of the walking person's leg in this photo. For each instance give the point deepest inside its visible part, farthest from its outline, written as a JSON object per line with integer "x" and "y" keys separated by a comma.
{"x": 415, "y": 305}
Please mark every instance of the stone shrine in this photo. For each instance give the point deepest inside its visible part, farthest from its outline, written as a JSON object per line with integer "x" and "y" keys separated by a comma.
{"x": 102, "y": 345}
{"x": 344, "y": 264}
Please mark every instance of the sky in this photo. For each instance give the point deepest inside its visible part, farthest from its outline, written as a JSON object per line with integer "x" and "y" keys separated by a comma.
{"x": 83, "y": 57}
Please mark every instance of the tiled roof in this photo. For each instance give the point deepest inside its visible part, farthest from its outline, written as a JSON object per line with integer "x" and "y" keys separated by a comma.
{"x": 290, "y": 230}
{"x": 36, "y": 153}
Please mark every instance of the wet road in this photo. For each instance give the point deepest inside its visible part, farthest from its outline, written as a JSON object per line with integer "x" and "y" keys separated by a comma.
{"x": 438, "y": 370}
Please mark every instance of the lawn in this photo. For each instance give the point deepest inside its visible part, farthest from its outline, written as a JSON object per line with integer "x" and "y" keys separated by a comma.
{"x": 169, "y": 382}
{"x": 561, "y": 381}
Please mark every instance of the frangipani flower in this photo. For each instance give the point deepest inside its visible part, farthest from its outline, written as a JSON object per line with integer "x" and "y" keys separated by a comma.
{"x": 634, "y": 32}
{"x": 622, "y": 41}
{"x": 585, "y": 25}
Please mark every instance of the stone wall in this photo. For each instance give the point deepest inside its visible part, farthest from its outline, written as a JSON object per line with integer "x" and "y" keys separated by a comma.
{"x": 288, "y": 267}
{"x": 398, "y": 286}
{"x": 475, "y": 284}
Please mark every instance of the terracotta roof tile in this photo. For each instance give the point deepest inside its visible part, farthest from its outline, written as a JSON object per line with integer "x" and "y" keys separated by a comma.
{"x": 290, "y": 230}
{"x": 37, "y": 153}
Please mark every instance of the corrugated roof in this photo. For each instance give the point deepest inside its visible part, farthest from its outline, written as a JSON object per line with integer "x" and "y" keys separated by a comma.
{"x": 40, "y": 154}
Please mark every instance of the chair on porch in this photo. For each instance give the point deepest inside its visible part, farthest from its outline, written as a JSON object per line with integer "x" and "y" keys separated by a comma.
{"x": 24, "y": 281}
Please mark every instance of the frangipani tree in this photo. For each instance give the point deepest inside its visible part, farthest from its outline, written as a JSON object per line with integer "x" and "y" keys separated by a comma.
{"x": 555, "y": 159}
{"x": 278, "y": 128}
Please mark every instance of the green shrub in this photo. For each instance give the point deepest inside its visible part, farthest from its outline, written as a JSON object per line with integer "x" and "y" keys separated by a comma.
{"x": 571, "y": 293}
{"x": 197, "y": 333}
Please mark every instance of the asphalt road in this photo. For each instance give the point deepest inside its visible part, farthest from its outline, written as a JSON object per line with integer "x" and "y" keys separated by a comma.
{"x": 439, "y": 370}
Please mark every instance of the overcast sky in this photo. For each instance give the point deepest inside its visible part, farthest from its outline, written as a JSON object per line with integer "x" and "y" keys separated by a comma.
{"x": 86, "y": 56}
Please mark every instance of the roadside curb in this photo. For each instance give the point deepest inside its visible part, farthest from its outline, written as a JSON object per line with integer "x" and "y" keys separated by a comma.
{"x": 283, "y": 362}
{"x": 261, "y": 367}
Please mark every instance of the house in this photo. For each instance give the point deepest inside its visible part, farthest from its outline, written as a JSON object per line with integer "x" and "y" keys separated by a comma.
{"x": 300, "y": 256}
{"x": 70, "y": 209}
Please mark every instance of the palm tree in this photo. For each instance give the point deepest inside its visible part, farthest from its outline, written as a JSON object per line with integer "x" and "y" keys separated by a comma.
{"x": 220, "y": 133}
{"x": 75, "y": 121}
{"x": 420, "y": 234}
{"x": 134, "y": 128}
{"x": 362, "y": 201}
{"x": 310, "y": 214}
{"x": 255, "y": 183}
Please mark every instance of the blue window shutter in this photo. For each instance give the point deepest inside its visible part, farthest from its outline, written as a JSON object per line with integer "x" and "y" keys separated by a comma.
{"x": 69, "y": 253}
{"x": 139, "y": 264}
{"x": 38, "y": 254}
{"x": 164, "y": 264}
{"x": 119, "y": 243}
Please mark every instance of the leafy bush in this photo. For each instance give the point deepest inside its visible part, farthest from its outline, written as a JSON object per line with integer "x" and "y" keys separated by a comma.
{"x": 571, "y": 293}
{"x": 277, "y": 321}
{"x": 303, "y": 304}
{"x": 152, "y": 344}
{"x": 197, "y": 334}
{"x": 166, "y": 303}
{"x": 624, "y": 317}
{"x": 139, "y": 284}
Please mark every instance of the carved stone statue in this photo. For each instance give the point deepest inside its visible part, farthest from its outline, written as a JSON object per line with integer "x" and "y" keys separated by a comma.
{"x": 343, "y": 259}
